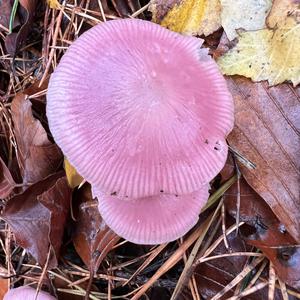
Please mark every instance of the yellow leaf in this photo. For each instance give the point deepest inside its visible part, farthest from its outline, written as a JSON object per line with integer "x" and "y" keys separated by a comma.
{"x": 53, "y": 4}
{"x": 74, "y": 179}
{"x": 249, "y": 15}
{"x": 268, "y": 54}
{"x": 193, "y": 17}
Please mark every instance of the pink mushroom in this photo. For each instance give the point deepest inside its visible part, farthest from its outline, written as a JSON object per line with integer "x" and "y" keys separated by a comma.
{"x": 26, "y": 293}
{"x": 142, "y": 113}
{"x": 154, "y": 219}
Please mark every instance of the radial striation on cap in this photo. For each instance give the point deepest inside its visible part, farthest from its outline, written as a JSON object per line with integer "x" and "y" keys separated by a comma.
{"x": 152, "y": 220}
{"x": 138, "y": 109}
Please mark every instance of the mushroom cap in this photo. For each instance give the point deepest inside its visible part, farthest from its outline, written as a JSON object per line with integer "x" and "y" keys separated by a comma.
{"x": 138, "y": 109}
{"x": 26, "y": 293}
{"x": 152, "y": 220}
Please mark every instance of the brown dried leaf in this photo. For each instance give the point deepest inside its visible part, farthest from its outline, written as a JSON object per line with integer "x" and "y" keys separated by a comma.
{"x": 7, "y": 183}
{"x": 38, "y": 157}
{"x": 253, "y": 209}
{"x": 37, "y": 217}
{"x": 281, "y": 250}
{"x": 93, "y": 239}
{"x": 26, "y": 12}
{"x": 267, "y": 130}
{"x": 270, "y": 236}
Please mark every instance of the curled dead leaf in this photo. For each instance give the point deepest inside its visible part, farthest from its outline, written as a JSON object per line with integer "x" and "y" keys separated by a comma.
{"x": 37, "y": 217}
{"x": 38, "y": 157}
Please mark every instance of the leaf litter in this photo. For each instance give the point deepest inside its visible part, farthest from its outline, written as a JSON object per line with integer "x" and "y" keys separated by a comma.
{"x": 270, "y": 54}
{"x": 251, "y": 246}
{"x": 38, "y": 215}
{"x": 270, "y": 235}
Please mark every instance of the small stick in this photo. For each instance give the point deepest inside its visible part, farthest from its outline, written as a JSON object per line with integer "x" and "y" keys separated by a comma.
{"x": 141, "y": 10}
{"x": 40, "y": 283}
{"x": 224, "y": 226}
{"x": 238, "y": 195}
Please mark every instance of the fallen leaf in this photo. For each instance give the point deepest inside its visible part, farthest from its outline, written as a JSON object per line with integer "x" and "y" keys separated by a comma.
{"x": 7, "y": 183}
{"x": 37, "y": 217}
{"x": 268, "y": 54}
{"x": 267, "y": 130}
{"x": 193, "y": 17}
{"x": 15, "y": 40}
{"x": 270, "y": 235}
{"x": 93, "y": 239}
{"x": 249, "y": 15}
{"x": 282, "y": 252}
{"x": 38, "y": 157}
{"x": 253, "y": 209}
{"x": 74, "y": 179}
{"x": 57, "y": 201}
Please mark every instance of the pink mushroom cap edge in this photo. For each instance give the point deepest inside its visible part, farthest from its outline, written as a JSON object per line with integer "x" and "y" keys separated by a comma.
{"x": 152, "y": 220}
{"x": 138, "y": 109}
{"x": 26, "y": 293}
